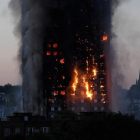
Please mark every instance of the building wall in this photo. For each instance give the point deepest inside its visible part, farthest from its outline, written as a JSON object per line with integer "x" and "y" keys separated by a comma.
{"x": 80, "y": 30}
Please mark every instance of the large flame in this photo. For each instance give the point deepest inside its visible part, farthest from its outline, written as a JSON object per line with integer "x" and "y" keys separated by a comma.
{"x": 89, "y": 93}
{"x": 74, "y": 85}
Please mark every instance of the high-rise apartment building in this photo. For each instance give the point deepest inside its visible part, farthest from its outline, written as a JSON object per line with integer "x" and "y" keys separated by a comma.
{"x": 75, "y": 37}
{"x": 75, "y": 66}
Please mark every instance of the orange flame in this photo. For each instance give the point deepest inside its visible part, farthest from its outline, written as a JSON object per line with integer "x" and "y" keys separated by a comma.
{"x": 88, "y": 93}
{"x": 74, "y": 85}
{"x": 105, "y": 38}
{"x": 94, "y": 72}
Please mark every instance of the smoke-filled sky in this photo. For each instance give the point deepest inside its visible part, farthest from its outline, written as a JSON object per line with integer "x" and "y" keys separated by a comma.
{"x": 126, "y": 25}
{"x": 9, "y": 70}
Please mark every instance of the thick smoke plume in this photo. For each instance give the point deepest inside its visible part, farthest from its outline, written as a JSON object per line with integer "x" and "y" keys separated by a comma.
{"x": 124, "y": 47}
{"x": 31, "y": 51}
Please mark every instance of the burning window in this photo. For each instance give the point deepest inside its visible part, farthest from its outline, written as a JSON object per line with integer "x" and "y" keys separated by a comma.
{"x": 49, "y": 100}
{"x": 55, "y": 93}
{"x": 49, "y": 45}
{"x": 82, "y": 92}
{"x": 55, "y": 45}
{"x": 55, "y": 53}
{"x": 62, "y": 61}
{"x": 48, "y": 53}
{"x": 105, "y": 38}
{"x": 101, "y": 56}
{"x": 63, "y": 77}
{"x": 62, "y": 92}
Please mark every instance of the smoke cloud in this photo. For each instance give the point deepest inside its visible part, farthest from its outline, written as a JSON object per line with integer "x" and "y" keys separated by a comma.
{"x": 125, "y": 46}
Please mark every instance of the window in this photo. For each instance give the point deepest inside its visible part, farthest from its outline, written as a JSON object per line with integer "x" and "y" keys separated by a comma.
{"x": 82, "y": 100}
{"x": 102, "y": 108}
{"x": 7, "y": 131}
{"x": 82, "y": 84}
{"x": 54, "y": 53}
{"x": 45, "y": 129}
{"x": 82, "y": 92}
{"x": 62, "y": 61}
{"x": 49, "y": 45}
{"x": 55, "y": 45}
{"x": 33, "y": 130}
{"x": 28, "y": 130}
{"x": 95, "y": 92}
{"x": 52, "y": 100}
{"x": 82, "y": 108}
{"x": 55, "y": 93}
{"x": 52, "y": 116}
{"x": 105, "y": 38}
{"x": 48, "y": 53}
{"x": 95, "y": 100}
{"x": 62, "y": 92}
{"x": 95, "y": 108}
{"x": 73, "y": 108}
{"x": 63, "y": 77}
{"x": 52, "y": 108}
{"x": 25, "y": 118}
{"x": 59, "y": 108}
{"x": 17, "y": 130}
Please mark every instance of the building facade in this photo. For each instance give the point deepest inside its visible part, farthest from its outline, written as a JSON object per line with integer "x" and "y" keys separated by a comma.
{"x": 64, "y": 57}
{"x": 75, "y": 65}
{"x": 24, "y": 124}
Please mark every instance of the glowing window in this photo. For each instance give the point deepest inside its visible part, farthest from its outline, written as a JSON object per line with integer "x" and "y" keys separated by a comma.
{"x": 49, "y": 45}
{"x": 55, "y": 93}
{"x": 55, "y": 45}
{"x": 101, "y": 56}
{"x": 105, "y": 38}
{"x": 82, "y": 92}
{"x": 62, "y": 92}
{"x": 48, "y": 53}
{"x": 49, "y": 100}
{"x": 55, "y": 53}
{"x": 62, "y": 61}
{"x": 82, "y": 84}
{"x": 63, "y": 77}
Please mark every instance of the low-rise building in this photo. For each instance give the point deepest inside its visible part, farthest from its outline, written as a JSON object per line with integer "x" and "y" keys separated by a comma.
{"x": 25, "y": 124}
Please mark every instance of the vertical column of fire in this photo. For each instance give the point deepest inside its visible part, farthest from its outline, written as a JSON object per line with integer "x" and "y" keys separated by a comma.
{"x": 74, "y": 85}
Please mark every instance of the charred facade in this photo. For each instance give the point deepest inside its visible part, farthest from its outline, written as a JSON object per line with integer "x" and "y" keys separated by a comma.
{"x": 73, "y": 71}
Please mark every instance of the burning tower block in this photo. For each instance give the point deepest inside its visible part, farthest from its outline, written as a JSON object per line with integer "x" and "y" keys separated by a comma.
{"x": 72, "y": 74}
